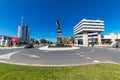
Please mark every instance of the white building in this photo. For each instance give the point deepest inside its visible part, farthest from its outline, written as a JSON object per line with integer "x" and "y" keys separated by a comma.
{"x": 5, "y": 40}
{"x": 87, "y": 31}
{"x": 20, "y": 32}
{"x": 110, "y": 38}
{"x": 23, "y": 31}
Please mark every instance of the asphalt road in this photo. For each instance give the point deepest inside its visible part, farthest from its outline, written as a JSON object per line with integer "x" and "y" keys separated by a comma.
{"x": 84, "y": 55}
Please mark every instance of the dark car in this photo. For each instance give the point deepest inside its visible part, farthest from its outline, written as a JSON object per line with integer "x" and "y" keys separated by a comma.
{"x": 29, "y": 46}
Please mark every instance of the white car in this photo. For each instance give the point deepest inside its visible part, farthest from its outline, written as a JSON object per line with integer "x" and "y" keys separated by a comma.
{"x": 116, "y": 45}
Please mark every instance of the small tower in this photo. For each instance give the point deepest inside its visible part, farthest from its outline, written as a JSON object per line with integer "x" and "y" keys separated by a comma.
{"x": 22, "y": 21}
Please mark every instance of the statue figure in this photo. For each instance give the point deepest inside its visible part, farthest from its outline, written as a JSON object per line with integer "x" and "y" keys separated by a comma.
{"x": 59, "y": 34}
{"x": 58, "y": 25}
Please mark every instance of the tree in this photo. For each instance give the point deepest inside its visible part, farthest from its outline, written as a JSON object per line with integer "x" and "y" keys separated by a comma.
{"x": 66, "y": 40}
{"x": 71, "y": 40}
{"x": 43, "y": 41}
{"x": 36, "y": 42}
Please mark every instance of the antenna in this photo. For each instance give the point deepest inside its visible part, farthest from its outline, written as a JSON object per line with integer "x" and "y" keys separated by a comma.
{"x": 22, "y": 21}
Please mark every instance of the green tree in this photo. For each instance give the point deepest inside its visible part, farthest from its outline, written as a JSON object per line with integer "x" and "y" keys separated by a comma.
{"x": 71, "y": 39}
{"x": 43, "y": 41}
{"x": 36, "y": 42}
{"x": 65, "y": 40}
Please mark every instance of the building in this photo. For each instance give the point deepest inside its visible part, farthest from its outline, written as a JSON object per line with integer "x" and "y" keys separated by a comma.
{"x": 23, "y": 31}
{"x": 88, "y": 31}
{"x": 5, "y": 40}
{"x": 110, "y": 38}
{"x": 20, "y": 32}
{"x": 32, "y": 40}
{"x": 26, "y": 33}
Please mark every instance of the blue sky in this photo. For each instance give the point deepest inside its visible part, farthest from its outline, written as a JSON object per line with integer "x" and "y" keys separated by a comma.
{"x": 41, "y": 15}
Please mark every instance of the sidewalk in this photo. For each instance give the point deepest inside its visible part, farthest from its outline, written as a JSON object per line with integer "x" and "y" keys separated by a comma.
{"x": 14, "y": 47}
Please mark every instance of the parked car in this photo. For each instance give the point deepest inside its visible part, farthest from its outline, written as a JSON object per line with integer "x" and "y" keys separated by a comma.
{"x": 29, "y": 46}
{"x": 116, "y": 45}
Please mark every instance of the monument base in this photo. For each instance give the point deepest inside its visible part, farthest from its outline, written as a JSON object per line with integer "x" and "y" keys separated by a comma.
{"x": 59, "y": 45}
{"x": 53, "y": 48}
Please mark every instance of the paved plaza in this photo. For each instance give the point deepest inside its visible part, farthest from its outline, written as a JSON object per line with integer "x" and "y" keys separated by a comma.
{"x": 37, "y": 57}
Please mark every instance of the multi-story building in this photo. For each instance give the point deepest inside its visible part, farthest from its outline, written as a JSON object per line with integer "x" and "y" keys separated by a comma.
{"x": 26, "y": 34}
{"x": 110, "y": 39}
{"x": 5, "y": 40}
{"x": 20, "y": 32}
{"x": 23, "y": 31}
{"x": 87, "y": 31}
{"x": 31, "y": 40}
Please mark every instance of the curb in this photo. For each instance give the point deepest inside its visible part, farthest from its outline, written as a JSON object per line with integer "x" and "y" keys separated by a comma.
{"x": 40, "y": 65}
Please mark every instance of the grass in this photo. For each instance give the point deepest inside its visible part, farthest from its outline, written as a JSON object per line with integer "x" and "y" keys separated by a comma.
{"x": 84, "y": 72}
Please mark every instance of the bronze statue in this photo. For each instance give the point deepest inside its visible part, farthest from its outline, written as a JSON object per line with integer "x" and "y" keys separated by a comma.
{"x": 59, "y": 35}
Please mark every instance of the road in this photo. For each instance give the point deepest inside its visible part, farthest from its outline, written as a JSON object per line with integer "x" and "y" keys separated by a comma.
{"x": 84, "y": 55}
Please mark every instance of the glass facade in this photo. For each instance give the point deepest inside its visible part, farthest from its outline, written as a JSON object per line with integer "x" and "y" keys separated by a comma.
{"x": 23, "y": 31}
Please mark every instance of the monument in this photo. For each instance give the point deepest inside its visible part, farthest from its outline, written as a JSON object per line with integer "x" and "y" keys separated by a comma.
{"x": 59, "y": 35}
{"x": 59, "y": 44}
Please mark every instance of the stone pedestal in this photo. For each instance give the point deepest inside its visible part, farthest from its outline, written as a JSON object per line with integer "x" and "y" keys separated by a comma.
{"x": 85, "y": 39}
{"x": 76, "y": 41}
{"x": 99, "y": 39}
{"x": 112, "y": 38}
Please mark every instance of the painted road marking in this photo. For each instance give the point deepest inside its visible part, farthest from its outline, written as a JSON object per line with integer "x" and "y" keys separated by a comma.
{"x": 96, "y": 61}
{"x": 82, "y": 55}
{"x": 31, "y": 55}
{"x": 7, "y": 56}
{"x": 88, "y": 58}
{"x": 34, "y": 56}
